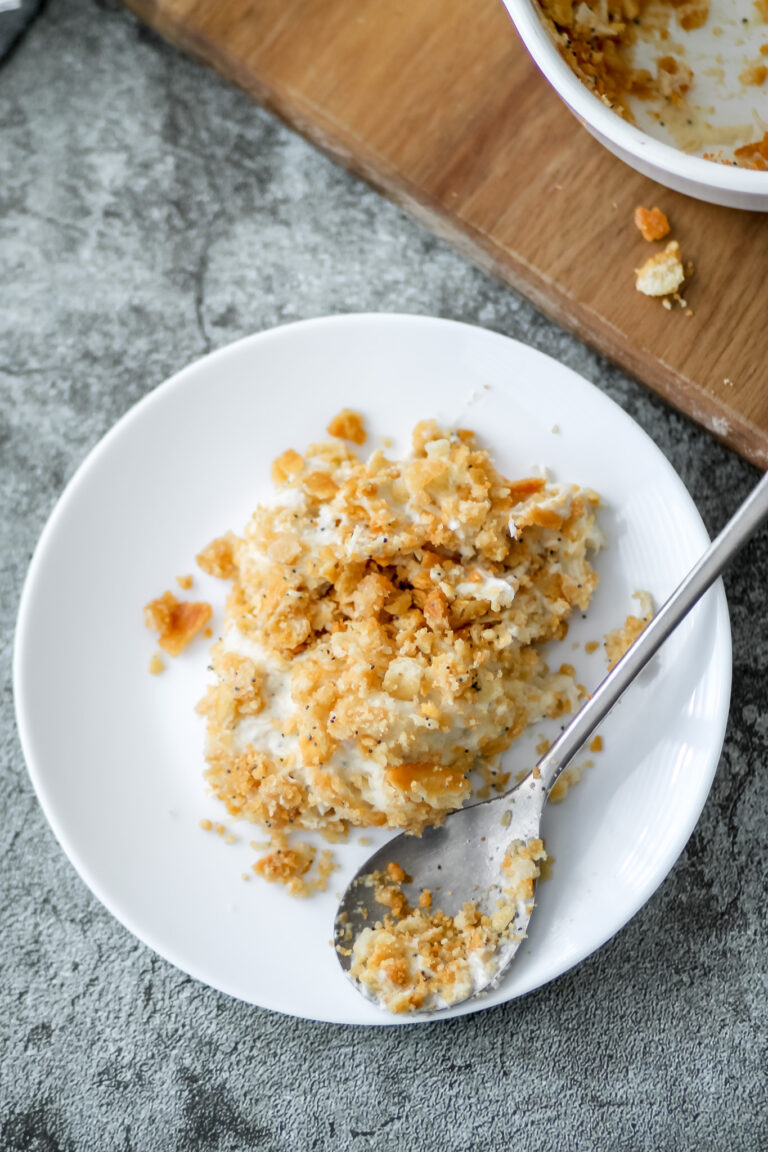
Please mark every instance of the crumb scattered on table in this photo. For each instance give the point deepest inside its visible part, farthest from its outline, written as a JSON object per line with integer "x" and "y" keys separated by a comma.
{"x": 651, "y": 222}
{"x": 662, "y": 274}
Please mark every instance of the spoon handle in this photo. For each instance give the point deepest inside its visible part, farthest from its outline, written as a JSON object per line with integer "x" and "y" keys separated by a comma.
{"x": 752, "y": 513}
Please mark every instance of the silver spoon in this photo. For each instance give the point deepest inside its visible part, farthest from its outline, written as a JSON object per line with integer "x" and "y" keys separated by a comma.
{"x": 463, "y": 856}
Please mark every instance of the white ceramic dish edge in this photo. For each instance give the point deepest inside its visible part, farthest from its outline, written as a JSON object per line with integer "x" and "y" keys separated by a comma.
{"x": 716, "y": 183}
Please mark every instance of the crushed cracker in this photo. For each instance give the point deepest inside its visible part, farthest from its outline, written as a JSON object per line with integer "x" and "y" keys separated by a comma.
{"x": 382, "y": 639}
{"x": 348, "y": 425}
{"x": 176, "y": 621}
{"x": 662, "y": 274}
{"x": 217, "y": 559}
{"x": 652, "y": 223}
{"x": 620, "y": 640}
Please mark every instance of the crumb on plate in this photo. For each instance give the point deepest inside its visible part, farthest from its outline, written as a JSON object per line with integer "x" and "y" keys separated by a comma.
{"x": 217, "y": 559}
{"x": 348, "y": 425}
{"x": 289, "y": 864}
{"x": 619, "y": 640}
{"x": 567, "y": 779}
{"x": 754, "y": 155}
{"x": 673, "y": 78}
{"x": 754, "y": 75}
{"x": 177, "y": 622}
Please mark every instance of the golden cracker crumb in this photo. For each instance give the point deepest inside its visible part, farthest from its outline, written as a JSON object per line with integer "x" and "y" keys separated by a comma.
{"x": 177, "y": 622}
{"x": 218, "y": 557}
{"x": 651, "y": 222}
{"x": 662, "y": 274}
{"x": 348, "y": 425}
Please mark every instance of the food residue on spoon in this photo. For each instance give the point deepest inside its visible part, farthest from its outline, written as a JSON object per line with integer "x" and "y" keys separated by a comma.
{"x": 422, "y": 959}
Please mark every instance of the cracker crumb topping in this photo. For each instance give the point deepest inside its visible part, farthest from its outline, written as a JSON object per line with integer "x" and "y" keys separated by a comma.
{"x": 177, "y": 622}
{"x": 382, "y": 640}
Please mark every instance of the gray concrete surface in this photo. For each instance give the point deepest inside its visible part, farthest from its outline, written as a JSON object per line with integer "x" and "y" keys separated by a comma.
{"x": 148, "y": 214}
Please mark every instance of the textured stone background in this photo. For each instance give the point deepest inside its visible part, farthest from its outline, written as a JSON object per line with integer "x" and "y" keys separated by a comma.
{"x": 147, "y": 215}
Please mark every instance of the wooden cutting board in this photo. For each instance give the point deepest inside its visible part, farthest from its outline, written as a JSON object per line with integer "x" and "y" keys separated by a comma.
{"x": 436, "y": 103}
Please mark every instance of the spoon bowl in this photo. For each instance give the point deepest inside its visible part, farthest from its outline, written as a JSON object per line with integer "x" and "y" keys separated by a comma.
{"x": 459, "y": 862}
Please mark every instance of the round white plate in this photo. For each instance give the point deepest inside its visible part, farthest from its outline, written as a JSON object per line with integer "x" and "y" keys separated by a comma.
{"x": 115, "y": 754}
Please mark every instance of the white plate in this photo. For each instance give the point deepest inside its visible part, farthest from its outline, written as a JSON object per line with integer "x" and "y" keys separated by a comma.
{"x": 116, "y": 754}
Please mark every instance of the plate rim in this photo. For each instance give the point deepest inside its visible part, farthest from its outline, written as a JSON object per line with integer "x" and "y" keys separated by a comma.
{"x": 69, "y": 494}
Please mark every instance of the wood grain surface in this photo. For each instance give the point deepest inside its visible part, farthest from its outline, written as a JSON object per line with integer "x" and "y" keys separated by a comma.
{"x": 436, "y": 103}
